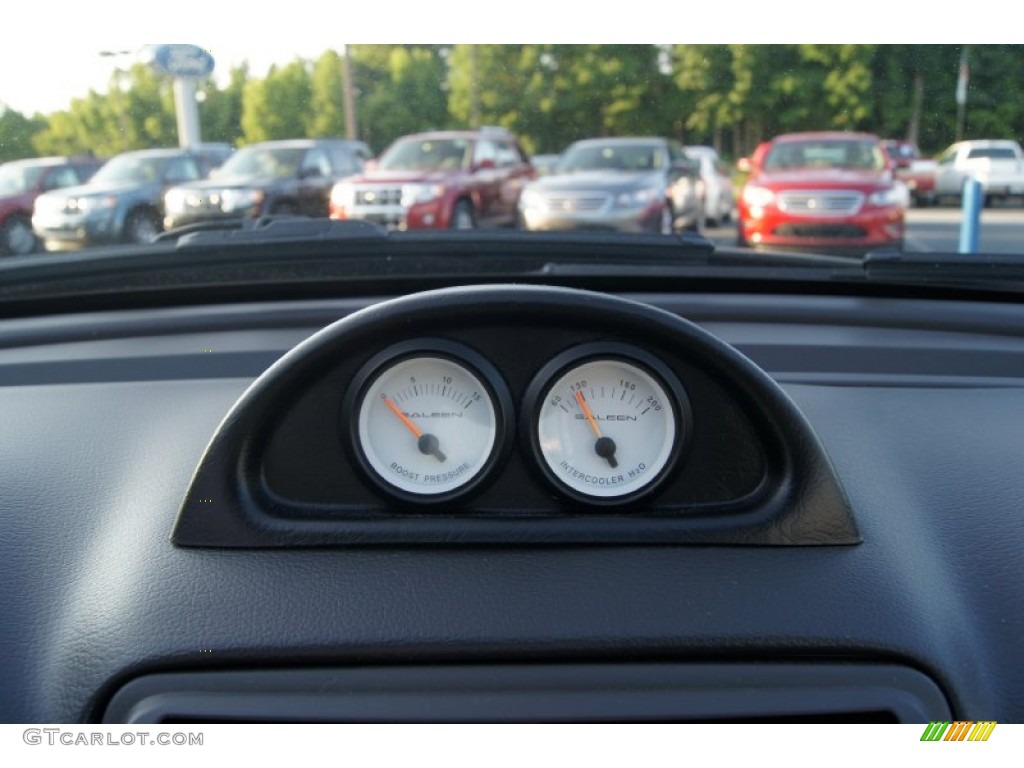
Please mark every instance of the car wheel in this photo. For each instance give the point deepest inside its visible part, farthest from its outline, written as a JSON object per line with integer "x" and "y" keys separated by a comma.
{"x": 142, "y": 228}
{"x": 462, "y": 216}
{"x": 725, "y": 210}
{"x": 697, "y": 225}
{"x": 667, "y": 225}
{"x": 17, "y": 237}
{"x": 741, "y": 241}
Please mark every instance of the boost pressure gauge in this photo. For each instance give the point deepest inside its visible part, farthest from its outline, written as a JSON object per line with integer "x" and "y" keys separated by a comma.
{"x": 430, "y": 420}
{"x": 609, "y": 422}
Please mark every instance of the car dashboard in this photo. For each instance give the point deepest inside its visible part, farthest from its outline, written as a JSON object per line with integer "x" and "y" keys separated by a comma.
{"x": 194, "y": 529}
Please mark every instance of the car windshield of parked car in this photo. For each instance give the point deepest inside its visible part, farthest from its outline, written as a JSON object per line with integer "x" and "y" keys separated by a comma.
{"x": 858, "y": 155}
{"x": 900, "y": 150}
{"x": 426, "y": 155}
{"x": 130, "y": 169}
{"x": 262, "y": 163}
{"x": 17, "y": 178}
{"x": 611, "y": 157}
{"x": 993, "y": 153}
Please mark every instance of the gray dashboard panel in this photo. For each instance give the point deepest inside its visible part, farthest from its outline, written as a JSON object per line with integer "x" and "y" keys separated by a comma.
{"x": 92, "y": 471}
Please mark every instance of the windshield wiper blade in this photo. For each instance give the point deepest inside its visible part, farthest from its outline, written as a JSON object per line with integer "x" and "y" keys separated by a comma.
{"x": 989, "y": 270}
{"x": 274, "y": 235}
{"x": 274, "y": 227}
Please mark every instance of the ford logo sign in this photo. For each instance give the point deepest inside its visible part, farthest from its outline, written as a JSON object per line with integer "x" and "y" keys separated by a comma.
{"x": 180, "y": 60}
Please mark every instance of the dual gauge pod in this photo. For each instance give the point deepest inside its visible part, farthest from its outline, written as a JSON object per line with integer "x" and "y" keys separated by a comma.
{"x": 430, "y": 421}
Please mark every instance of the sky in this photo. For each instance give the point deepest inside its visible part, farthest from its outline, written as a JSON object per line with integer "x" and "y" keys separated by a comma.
{"x": 52, "y": 53}
{"x": 61, "y": 74}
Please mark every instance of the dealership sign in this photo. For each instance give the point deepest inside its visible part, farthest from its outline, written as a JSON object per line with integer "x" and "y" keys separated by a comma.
{"x": 181, "y": 60}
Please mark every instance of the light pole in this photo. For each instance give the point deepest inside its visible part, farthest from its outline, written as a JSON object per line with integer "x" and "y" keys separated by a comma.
{"x": 348, "y": 95}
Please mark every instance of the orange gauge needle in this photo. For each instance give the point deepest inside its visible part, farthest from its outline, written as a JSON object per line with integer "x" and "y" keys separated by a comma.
{"x": 587, "y": 413}
{"x": 605, "y": 446}
{"x": 405, "y": 419}
{"x": 428, "y": 444}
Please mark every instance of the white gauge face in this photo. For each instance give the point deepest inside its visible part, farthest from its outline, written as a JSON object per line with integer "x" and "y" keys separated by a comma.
{"x": 427, "y": 425}
{"x": 607, "y": 429}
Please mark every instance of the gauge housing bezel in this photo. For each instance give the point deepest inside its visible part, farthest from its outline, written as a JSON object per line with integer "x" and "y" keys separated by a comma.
{"x": 278, "y": 471}
{"x": 552, "y": 372}
{"x": 477, "y": 365}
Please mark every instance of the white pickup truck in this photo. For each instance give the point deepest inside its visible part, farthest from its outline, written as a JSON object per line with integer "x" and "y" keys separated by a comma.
{"x": 997, "y": 163}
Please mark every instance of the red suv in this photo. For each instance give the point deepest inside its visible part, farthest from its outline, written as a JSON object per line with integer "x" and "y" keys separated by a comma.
{"x": 831, "y": 192}
{"x": 21, "y": 182}
{"x": 439, "y": 180}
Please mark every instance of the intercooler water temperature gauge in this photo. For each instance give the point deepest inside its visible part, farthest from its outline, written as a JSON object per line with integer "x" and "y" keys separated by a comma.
{"x": 609, "y": 423}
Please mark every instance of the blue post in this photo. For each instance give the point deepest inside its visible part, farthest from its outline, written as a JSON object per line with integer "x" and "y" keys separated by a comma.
{"x": 971, "y": 223}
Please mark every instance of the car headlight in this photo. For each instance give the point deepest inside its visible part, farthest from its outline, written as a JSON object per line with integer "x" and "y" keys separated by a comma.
{"x": 343, "y": 195}
{"x": 174, "y": 201}
{"x": 412, "y": 194}
{"x": 637, "y": 197}
{"x": 757, "y": 197}
{"x": 93, "y": 203}
{"x": 532, "y": 199}
{"x": 239, "y": 199}
{"x": 896, "y": 195}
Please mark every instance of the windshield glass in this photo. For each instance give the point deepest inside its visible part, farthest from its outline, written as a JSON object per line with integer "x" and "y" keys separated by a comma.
{"x": 861, "y": 155}
{"x": 130, "y": 169}
{"x": 611, "y": 157}
{"x": 16, "y": 178}
{"x": 444, "y": 136}
{"x": 261, "y": 162}
{"x": 426, "y": 155}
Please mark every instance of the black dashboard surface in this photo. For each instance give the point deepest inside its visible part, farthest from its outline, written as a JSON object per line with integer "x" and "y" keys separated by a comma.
{"x": 920, "y": 407}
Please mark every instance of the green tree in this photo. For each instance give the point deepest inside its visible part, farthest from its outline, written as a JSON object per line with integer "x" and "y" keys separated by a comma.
{"x": 137, "y": 113}
{"x": 16, "y": 133}
{"x": 754, "y": 91}
{"x": 276, "y": 106}
{"x": 220, "y": 113}
{"x": 400, "y": 89}
{"x": 995, "y": 95}
{"x": 327, "y": 113}
{"x": 552, "y": 95}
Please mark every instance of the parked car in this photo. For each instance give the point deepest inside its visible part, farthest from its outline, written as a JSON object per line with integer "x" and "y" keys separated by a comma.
{"x": 439, "y": 180}
{"x": 21, "y": 182}
{"x": 719, "y": 201}
{"x": 914, "y": 170}
{"x": 998, "y": 164}
{"x": 641, "y": 184}
{"x": 831, "y": 192}
{"x": 123, "y": 202}
{"x": 273, "y": 177}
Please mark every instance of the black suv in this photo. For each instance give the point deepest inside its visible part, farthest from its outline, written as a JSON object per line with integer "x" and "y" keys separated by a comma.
{"x": 273, "y": 177}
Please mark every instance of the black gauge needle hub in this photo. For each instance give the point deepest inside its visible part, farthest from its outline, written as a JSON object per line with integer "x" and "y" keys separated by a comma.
{"x": 429, "y": 446}
{"x": 605, "y": 448}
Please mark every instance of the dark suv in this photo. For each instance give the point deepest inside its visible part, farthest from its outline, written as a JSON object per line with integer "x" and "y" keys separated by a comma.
{"x": 21, "y": 182}
{"x": 273, "y": 177}
{"x": 123, "y": 202}
{"x": 437, "y": 180}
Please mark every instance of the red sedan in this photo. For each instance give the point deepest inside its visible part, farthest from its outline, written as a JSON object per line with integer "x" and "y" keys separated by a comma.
{"x": 826, "y": 192}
